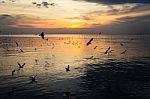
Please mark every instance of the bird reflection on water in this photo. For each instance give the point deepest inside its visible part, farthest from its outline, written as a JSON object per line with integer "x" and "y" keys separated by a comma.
{"x": 93, "y": 74}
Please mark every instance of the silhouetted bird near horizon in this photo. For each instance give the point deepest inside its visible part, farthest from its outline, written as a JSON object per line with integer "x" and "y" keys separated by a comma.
{"x": 91, "y": 57}
{"x": 21, "y": 66}
{"x": 100, "y": 33}
{"x": 21, "y": 50}
{"x": 123, "y": 52}
{"x": 68, "y": 94}
{"x": 107, "y": 50}
{"x": 33, "y": 79}
{"x": 95, "y": 47}
{"x": 13, "y": 72}
{"x": 68, "y": 68}
{"x": 121, "y": 44}
{"x": 89, "y": 42}
{"x": 17, "y": 43}
{"x": 42, "y": 35}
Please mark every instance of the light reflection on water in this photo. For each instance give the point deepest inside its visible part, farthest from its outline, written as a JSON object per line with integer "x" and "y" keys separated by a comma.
{"x": 51, "y": 57}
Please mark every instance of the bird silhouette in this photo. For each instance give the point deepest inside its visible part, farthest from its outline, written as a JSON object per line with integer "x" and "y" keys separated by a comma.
{"x": 95, "y": 47}
{"x": 33, "y": 79}
{"x": 21, "y": 66}
{"x": 42, "y": 35}
{"x": 68, "y": 68}
{"x": 21, "y": 50}
{"x": 121, "y": 44}
{"x": 17, "y": 43}
{"x": 100, "y": 33}
{"x": 107, "y": 50}
{"x": 124, "y": 52}
{"x": 89, "y": 42}
{"x": 13, "y": 72}
{"x": 68, "y": 94}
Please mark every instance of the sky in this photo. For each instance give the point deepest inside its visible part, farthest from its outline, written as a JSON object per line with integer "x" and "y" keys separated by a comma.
{"x": 75, "y": 16}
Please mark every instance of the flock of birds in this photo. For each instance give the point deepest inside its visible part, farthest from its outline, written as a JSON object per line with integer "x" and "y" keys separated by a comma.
{"x": 67, "y": 69}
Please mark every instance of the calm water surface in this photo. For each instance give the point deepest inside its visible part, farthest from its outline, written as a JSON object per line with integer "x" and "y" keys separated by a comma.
{"x": 92, "y": 75}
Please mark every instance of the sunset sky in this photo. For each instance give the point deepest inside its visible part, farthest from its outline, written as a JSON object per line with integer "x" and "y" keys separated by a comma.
{"x": 75, "y": 16}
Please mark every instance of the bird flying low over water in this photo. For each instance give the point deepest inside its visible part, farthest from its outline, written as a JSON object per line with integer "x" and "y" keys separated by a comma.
{"x": 42, "y": 35}
{"x": 21, "y": 50}
{"x": 124, "y": 52}
{"x": 68, "y": 68}
{"x": 107, "y": 50}
{"x": 89, "y": 42}
{"x": 13, "y": 72}
{"x": 95, "y": 47}
{"x": 33, "y": 79}
{"x": 21, "y": 66}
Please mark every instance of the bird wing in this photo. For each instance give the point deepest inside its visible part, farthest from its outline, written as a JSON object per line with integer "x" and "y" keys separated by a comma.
{"x": 19, "y": 64}
{"x": 89, "y": 42}
{"x": 107, "y": 50}
{"x": 42, "y": 36}
{"x": 23, "y": 64}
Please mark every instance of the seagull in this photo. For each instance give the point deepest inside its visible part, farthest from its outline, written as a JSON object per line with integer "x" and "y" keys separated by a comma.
{"x": 21, "y": 50}
{"x": 91, "y": 57}
{"x": 89, "y": 41}
{"x": 67, "y": 94}
{"x": 99, "y": 33}
{"x": 121, "y": 44}
{"x": 21, "y": 66}
{"x": 33, "y": 79}
{"x": 107, "y": 50}
{"x": 124, "y": 52}
{"x": 67, "y": 69}
{"x": 13, "y": 72}
{"x": 17, "y": 43}
{"x": 95, "y": 47}
{"x": 42, "y": 35}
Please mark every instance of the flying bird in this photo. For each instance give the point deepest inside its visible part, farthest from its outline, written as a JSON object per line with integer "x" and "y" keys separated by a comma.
{"x": 100, "y": 33}
{"x": 21, "y": 66}
{"x": 21, "y": 50}
{"x": 68, "y": 94}
{"x": 121, "y": 44}
{"x": 107, "y": 50}
{"x": 68, "y": 68}
{"x": 13, "y": 72}
{"x": 95, "y": 47}
{"x": 33, "y": 79}
{"x": 89, "y": 42}
{"x": 124, "y": 52}
{"x": 42, "y": 35}
{"x": 17, "y": 43}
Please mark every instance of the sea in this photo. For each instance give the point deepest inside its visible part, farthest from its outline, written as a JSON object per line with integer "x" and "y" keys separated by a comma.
{"x": 109, "y": 67}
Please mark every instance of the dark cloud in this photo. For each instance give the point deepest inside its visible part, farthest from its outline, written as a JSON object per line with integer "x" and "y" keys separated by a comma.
{"x": 127, "y": 25}
{"x": 4, "y": 16}
{"x": 116, "y": 1}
